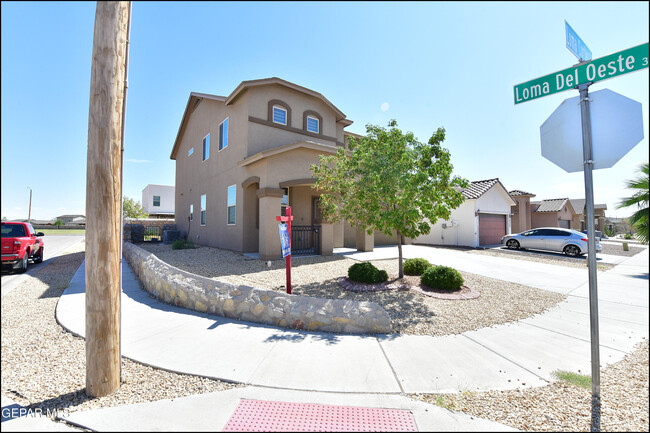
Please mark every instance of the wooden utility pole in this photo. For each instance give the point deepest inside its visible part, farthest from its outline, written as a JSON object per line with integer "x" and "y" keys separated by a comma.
{"x": 104, "y": 197}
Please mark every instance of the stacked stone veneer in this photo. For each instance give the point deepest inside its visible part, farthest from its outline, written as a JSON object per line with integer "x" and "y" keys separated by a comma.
{"x": 177, "y": 287}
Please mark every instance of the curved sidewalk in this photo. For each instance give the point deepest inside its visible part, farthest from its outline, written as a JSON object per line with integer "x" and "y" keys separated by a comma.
{"x": 519, "y": 354}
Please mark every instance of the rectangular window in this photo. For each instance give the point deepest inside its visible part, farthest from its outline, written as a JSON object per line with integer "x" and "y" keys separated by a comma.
{"x": 223, "y": 134}
{"x": 156, "y": 200}
{"x": 206, "y": 147}
{"x": 284, "y": 202}
{"x": 203, "y": 209}
{"x": 232, "y": 203}
{"x": 191, "y": 212}
{"x": 279, "y": 115}
{"x": 312, "y": 124}
{"x": 191, "y": 151}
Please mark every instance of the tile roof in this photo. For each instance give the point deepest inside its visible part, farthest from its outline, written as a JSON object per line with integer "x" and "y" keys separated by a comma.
{"x": 479, "y": 187}
{"x": 552, "y": 205}
{"x": 520, "y": 192}
{"x": 578, "y": 204}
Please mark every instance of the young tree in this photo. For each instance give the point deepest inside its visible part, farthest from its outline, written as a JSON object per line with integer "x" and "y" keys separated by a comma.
{"x": 133, "y": 209}
{"x": 58, "y": 224}
{"x": 639, "y": 187}
{"x": 389, "y": 182}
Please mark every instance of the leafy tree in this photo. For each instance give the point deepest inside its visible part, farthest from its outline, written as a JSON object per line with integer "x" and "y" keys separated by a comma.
{"x": 4, "y": 218}
{"x": 389, "y": 182}
{"x": 639, "y": 198}
{"x": 58, "y": 224}
{"x": 133, "y": 209}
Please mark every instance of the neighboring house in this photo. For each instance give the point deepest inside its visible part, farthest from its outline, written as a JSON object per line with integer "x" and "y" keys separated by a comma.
{"x": 521, "y": 218}
{"x": 158, "y": 201}
{"x": 557, "y": 212}
{"x": 580, "y": 218}
{"x": 618, "y": 225}
{"x": 242, "y": 158}
{"x": 482, "y": 219}
{"x": 72, "y": 219}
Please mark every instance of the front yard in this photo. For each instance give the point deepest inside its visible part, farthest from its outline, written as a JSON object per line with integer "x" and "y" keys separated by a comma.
{"x": 410, "y": 312}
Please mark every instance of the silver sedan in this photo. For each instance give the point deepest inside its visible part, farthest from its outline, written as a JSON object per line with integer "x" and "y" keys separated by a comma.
{"x": 567, "y": 241}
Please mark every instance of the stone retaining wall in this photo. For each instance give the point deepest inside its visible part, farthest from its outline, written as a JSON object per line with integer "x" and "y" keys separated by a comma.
{"x": 175, "y": 286}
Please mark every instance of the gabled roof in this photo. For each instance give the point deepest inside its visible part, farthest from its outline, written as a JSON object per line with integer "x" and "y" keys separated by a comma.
{"x": 517, "y": 192}
{"x": 554, "y": 205}
{"x": 578, "y": 204}
{"x": 196, "y": 98}
{"x": 479, "y": 187}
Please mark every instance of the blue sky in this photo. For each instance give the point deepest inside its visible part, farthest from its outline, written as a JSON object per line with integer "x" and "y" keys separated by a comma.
{"x": 424, "y": 64}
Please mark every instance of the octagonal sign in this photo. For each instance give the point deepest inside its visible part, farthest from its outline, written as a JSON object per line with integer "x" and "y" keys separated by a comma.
{"x": 616, "y": 127}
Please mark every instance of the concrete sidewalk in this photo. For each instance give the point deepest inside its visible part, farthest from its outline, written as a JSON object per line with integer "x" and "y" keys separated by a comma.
{"x": 514, "y": 355}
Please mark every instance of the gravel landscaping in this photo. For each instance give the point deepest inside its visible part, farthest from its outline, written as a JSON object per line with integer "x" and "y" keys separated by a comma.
{"x": 44, "y": 366}
{"x": 411, "y": 312}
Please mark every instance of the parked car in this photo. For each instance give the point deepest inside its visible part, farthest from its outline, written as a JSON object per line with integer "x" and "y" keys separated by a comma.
{"x": 19, "y": 244}
{"x": 599, "y": 235}
{"x": 567, "y": 241}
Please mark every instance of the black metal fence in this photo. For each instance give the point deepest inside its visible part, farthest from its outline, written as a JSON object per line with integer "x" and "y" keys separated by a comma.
{"x": 152, "y": 234}
{"x": 305, "y": 240}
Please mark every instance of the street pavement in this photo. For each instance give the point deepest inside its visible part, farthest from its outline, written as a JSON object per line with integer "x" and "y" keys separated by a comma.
{"x": 377, "y": 370}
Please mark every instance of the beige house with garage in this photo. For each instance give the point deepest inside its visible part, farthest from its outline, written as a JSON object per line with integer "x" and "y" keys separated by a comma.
{"x": 242, "y": 158}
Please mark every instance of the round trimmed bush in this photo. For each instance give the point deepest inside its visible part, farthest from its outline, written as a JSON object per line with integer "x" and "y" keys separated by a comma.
{"x": 416, "y": 266}
{"x": 366, "y": 272}
{"x": 442, "y": 277}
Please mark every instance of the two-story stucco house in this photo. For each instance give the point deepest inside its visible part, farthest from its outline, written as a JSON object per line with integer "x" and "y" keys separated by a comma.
{"x": 158, "y": 201}
{"x": 242, "y": 158}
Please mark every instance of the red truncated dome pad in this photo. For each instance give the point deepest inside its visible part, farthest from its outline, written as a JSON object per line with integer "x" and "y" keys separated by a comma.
{"x": 258, "y": 415}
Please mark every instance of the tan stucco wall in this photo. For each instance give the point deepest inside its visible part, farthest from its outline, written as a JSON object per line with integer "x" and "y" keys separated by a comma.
{"x": 551, "y": 219}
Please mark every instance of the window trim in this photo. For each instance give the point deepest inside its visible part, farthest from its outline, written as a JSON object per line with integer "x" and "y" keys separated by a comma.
{"x": 314, "y": 115}
{"x": 228, "y": 205}
{"x": 221, "y": 133}
{"x": 205, "y": 158}
{"x": 204, "y": 212}
{"x": 317, "y": 124}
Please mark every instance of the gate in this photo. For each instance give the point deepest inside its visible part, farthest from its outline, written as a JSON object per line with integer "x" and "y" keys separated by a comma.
{"x": 305, "y": 240}
{"x": 152, "y": 234}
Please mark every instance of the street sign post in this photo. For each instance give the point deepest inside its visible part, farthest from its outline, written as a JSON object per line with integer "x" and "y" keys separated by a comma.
{"x": 626, "y": 61}
{"x": 576, "y": 45}
{"x": 581, "y": 77}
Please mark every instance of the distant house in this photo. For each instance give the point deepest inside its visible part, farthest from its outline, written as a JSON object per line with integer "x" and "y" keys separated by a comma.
{"x": 580, "y": 218}
{"x": 482, "y": 219}
{"x": 521, "y": 218}
{"x": 159, "y": 201}
{"x": 557, "y": 212}
{"x": 72, "y": 219}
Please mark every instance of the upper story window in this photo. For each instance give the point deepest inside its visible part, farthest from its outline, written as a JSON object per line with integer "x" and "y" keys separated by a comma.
{"x": 191, "y": 151}
{"x": 279, "y": 115}
{"x": 313, "y": 124}
{"x": 206, "y": 147}
{"x": 191, "y": 212}
{"x": 156, "y": 200}
{"x": 223, "y": 134}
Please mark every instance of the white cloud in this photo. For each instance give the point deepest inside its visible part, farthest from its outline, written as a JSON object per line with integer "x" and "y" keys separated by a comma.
{"x": 385, "y": 106}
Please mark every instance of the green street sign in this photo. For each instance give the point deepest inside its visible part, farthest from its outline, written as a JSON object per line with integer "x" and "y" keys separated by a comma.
{"x": 623, "y": 62}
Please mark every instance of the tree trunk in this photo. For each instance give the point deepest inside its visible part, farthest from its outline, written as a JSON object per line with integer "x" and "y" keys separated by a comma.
{"x": 104, "y": 198}
{"x": 399, "y": 248}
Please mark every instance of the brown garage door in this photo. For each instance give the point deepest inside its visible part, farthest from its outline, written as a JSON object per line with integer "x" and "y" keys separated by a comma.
{"x": 565, "y": 224}
{"x": 491, "y": 228}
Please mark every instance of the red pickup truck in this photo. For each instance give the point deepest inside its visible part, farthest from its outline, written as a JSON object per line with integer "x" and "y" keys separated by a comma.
{"x": 19, "y": 244}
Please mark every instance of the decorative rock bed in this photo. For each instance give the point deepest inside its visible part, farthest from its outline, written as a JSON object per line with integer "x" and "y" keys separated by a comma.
{"x": 177, "y": 287}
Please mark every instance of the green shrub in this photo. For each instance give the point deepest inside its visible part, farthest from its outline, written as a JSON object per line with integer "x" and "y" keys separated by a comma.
{"x": 366, "y": 272}
{"x": 627, "y": 236}
{"x": 182, "y": 244}
{"x": 442, "y": 277}
{"x": 416, "y": 266}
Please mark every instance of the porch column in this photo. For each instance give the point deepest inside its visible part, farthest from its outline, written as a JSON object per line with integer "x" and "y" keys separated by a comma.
{"x": 326, "y": 239}
{"x": 269, "y": 234}
{"x": 365, "y": 242}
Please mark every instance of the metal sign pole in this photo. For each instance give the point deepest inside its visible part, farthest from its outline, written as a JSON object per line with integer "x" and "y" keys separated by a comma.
{"x": 591, "y": 251}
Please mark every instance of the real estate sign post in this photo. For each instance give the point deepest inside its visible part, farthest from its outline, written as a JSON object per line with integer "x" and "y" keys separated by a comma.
{"x": 580, "y": 77}
{"x": 286, "y": 243}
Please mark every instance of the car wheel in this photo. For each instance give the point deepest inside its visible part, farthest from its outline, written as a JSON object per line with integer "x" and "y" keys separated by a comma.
{"x": 23, "y": 263}
{"x": 572, "y": 250}
{"x": 512, "y": 244}
{"x": 39, "y": 257}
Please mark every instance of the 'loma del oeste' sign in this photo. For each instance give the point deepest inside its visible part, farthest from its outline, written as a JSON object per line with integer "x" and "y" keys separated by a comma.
{"x": 623, "y": 62}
